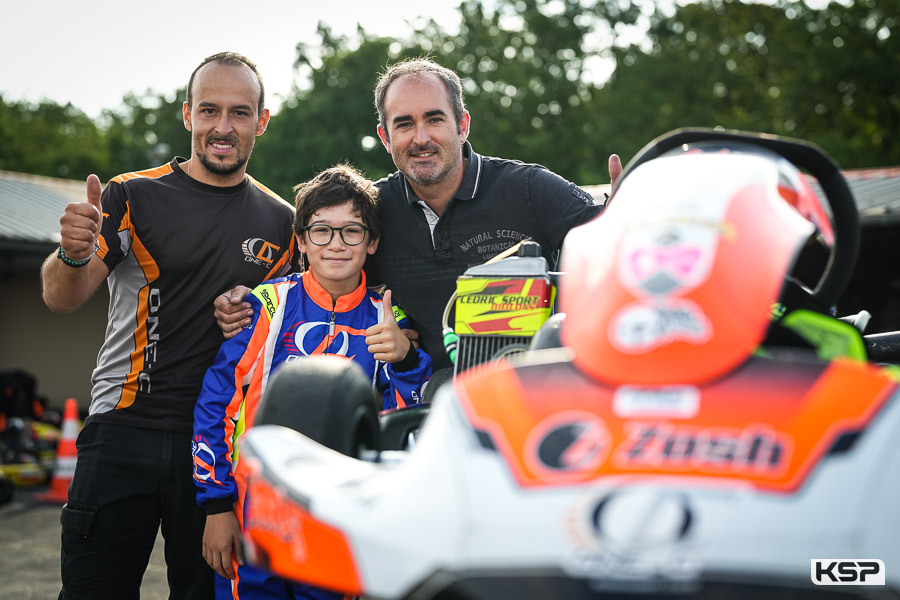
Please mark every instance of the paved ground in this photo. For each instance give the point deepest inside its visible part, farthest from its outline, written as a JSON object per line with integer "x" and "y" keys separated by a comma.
{"x": 29, "y": 552}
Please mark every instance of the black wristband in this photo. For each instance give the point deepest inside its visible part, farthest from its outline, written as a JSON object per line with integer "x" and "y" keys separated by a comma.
{"x": 408, "y": 362}
{"x": 215, "y": 507}
{"x": 71, "y": 262}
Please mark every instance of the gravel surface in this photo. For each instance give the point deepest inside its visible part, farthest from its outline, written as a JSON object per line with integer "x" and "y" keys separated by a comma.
{"x": 29, "y": 552}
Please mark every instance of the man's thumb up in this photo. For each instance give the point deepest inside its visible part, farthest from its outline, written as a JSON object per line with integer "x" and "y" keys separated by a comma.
{"x": 93, "y": 197}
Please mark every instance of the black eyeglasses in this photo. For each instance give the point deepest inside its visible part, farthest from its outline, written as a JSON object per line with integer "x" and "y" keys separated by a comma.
{"x": 321, "y": 235}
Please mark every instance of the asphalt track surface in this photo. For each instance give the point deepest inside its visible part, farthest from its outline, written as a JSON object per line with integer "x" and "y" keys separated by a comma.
{"x": 29, "y": 552}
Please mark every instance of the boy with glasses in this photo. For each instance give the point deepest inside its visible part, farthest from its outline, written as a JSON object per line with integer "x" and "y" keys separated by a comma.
{"x": 326, "y": 310}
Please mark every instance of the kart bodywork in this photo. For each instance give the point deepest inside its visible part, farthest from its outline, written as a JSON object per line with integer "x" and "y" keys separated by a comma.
{"x": 673, "y": 444}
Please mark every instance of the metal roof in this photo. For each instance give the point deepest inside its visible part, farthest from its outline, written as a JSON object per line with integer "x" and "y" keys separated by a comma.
{"x": 877, "y": 192}
{"x": 30, "y": 205}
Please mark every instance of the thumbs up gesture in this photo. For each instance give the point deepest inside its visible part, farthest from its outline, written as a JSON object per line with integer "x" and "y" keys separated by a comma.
{"x": 385, "y": 340}
{"x": 80, "y": 223}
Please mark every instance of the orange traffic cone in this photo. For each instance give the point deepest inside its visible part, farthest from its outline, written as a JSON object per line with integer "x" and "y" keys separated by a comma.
{"x": 64, "y": 469}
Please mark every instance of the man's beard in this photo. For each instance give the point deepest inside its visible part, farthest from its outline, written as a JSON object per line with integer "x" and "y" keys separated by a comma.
{"x": 433, "y": 177}
{"x": 219, "y": 168}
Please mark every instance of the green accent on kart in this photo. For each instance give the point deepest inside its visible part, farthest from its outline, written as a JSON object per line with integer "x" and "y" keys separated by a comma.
{"x": 892, "y": 371}
{"x": 830, "y": 337}
{"x": 239, "y": 428}
{"x": 450, "y": 343}
{"x": 778, "y": 310}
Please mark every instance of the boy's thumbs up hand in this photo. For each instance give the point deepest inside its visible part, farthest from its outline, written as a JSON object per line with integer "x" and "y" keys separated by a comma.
{"x": 385, "y": 340}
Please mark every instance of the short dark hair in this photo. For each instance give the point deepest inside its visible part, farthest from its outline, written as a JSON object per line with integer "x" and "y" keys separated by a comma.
{"x": 231, "y": 59}
{"x": 417, "y": 67}
{"x": 335, "y": 186}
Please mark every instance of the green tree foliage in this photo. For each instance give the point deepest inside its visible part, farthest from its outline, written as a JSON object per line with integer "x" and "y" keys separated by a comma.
{"x": 820, "y": 75}
{"x": 826, "y": 75}
{"x": 61, "y": 141}
{"x": 50, "y": 139}
{"x": 148, "y": 130}
{"x": 523, "y": 66}
{"x": 331, "y": 120}
{"x": 856, "y": 96}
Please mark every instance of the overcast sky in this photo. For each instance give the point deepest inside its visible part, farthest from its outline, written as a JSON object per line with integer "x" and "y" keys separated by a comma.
{"x": 92, "y": 52}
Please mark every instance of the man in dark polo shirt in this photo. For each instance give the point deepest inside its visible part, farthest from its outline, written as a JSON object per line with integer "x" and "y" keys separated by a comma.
{"x": 447, "y": 208}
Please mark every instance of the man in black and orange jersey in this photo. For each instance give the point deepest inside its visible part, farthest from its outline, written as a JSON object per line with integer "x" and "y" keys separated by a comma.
{"x": 167, "y": 240}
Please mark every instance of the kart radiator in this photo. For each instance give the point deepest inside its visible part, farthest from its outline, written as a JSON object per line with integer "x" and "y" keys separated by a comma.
{"x": 500, "y": 306}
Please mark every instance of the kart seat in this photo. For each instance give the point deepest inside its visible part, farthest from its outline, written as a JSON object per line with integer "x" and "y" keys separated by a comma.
{"x": 677, "y": 287}
{"x": 548, "y": 336}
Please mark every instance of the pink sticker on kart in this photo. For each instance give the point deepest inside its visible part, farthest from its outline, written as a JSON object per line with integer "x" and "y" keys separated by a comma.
{"x": 667, "y": 258}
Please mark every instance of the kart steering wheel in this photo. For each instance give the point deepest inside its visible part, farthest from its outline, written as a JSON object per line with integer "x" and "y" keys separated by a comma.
{"x": 844, "y": 213}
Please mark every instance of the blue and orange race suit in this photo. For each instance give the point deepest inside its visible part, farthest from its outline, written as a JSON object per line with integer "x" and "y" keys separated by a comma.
{"x": 294, "y": 317}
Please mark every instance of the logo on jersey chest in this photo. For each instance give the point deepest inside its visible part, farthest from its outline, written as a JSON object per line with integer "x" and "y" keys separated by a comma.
{"x": 259, "y": 251}
{"x": 311, "y": 337}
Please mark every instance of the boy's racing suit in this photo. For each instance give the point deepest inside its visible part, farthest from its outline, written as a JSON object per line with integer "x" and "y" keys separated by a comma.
{"x": 294, "y": 317}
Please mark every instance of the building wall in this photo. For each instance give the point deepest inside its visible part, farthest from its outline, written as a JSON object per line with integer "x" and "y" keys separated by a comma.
{"x": 60, "y": 351}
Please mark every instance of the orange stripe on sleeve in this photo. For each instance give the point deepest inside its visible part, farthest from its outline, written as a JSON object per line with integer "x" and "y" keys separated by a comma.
{"x": 149, "y": 173}
{"x": 264, "y": 188}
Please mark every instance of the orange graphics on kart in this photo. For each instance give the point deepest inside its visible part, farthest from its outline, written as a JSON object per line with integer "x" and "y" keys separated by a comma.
{"x": 697, "y": 423}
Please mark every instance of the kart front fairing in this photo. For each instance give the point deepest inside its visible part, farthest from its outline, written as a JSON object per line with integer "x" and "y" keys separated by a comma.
{"x": 399, "y": 521}
{"x": 462, "y": 513}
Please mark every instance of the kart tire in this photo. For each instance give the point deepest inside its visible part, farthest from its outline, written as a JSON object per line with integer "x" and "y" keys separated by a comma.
{"x": 326, "y": 398}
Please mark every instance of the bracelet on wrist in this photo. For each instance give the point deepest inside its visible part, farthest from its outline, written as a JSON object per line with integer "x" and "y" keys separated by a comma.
{"x": 71, "y": 262}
